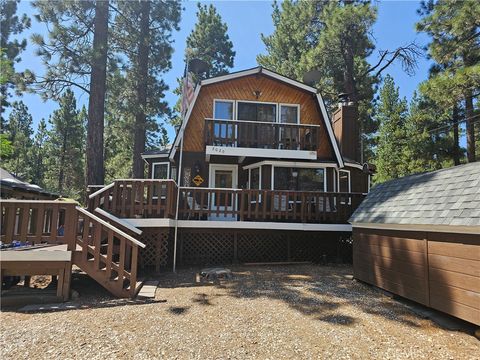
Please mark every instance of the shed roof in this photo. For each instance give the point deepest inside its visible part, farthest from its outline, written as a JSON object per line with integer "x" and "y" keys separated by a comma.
{"x": 9, "y": 181}
{"x": 447, "y": 197}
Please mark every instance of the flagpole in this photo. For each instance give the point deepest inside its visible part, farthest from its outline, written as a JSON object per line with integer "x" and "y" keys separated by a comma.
{"x": 179, "y": 175}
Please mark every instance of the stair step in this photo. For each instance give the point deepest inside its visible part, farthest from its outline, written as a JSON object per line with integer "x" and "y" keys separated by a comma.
{"x": 148, "y": 289}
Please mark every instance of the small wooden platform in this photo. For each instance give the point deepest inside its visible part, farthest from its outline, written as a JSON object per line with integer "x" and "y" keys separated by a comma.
{"x": 39, "y": 262}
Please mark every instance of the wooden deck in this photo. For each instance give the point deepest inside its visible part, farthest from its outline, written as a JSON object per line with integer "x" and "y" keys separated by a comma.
{"x": 148, "y": 198}
{"x": 44, "y": 261}
{"x": 98, "y": 247}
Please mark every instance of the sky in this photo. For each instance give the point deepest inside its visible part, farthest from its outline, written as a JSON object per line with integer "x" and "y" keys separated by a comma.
{"x": 246, "y": 21}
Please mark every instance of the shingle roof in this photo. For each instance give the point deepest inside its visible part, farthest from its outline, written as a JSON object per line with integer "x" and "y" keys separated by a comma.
{"x": 444, "y": 197}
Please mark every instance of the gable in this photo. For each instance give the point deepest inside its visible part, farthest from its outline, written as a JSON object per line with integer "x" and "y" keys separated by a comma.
{"x": 274, "y": 88}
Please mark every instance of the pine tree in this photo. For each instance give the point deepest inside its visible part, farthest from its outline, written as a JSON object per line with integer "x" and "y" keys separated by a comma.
{"x": 143, "y": 33}
{"x": 208, "y": 41}
{"x": 455, "y": 47}
{"x": 119, "y": 123}
{"x": 19, "y": 134}
{"x": 37, "y": 154}
{"x": 391, "y": 114}
{"x": 75, "y": 55}
{"x": 10, "y": 50}
{"x": 335, "y": 39}
{"x": 66, "y": 149}
{"x": 426, "y": 150}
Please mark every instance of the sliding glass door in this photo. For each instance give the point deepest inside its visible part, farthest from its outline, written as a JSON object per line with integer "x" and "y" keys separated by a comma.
{"x": 258, "y": 135}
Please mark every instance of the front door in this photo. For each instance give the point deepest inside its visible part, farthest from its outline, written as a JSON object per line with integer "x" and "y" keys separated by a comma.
{"x": 223, "y": 176}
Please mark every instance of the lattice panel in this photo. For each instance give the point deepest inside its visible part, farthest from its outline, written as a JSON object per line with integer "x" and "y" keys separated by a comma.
{"x": 207, "y": 248}
{"x": 155, "y": 254}
{"x": 313, "y": 246}
{"x": 262, "y": 246}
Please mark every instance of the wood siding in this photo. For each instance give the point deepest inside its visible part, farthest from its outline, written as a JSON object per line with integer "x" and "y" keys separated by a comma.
{"x": 243, "y": 89}
{"x": 440, "y": 270}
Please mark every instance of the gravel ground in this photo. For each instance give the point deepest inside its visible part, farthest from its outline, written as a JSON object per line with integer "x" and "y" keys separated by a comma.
{"x": 274, "y": 312}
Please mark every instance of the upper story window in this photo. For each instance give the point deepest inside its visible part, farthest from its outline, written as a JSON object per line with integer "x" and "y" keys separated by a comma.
{"x": 223, "y": 110}
{"x": 253, "y": 111}
{"x": 289, "y": 114}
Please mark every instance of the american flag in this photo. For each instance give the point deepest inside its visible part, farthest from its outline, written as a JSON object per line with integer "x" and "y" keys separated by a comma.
{"x": 187, "y": 92}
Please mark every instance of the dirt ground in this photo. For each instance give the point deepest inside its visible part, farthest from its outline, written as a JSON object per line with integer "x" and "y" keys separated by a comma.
{"x": 269, "y": 312}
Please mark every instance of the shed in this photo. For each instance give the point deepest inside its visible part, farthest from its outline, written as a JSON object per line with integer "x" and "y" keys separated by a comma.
{"x": 419, "y": 237}
{"x": 12, "y": 187}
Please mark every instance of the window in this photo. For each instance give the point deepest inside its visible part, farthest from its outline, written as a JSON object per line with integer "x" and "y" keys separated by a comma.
{"x": 160, "y": 170}
{"x": 289, "y": 114}
{"x": 255, "y": 178}
{"x": 223, "y": 110}
{"x": 311, "y": 179}
{"x": 344, "y": 181}
{"x": 251, "y": 111}
{"x": 289, "y": 136}
{"x": 344, "y": 185}
{"x": 300, "y": 179}
{"x": 223, "y": 131}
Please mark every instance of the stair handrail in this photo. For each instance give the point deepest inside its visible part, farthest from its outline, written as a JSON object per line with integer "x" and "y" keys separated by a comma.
{"x": 118, "y": 221}
{"x": 98, "y": 192}
{"x": 111, "y": 227}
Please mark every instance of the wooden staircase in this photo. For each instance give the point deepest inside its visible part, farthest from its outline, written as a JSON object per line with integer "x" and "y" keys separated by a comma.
{"x": 107, "y": 254}
{"x": 100, "y": 248}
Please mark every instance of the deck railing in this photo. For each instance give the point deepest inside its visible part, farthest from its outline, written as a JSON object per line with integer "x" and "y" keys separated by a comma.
{"x": 38, "y": 221}
{"x": 264, "y": 135}
{"x": 267, "y": 205}
{"x": 103, "y": 251}
{"x": 137, "y": 198}
{"x": 146, "y": 198}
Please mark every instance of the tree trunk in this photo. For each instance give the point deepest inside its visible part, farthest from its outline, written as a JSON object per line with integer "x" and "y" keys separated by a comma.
{"x": 96, "y": 101}
{"x": 470, "y": 127}
{"x": 142, "y": 80}
{"x": 456, "y": 147}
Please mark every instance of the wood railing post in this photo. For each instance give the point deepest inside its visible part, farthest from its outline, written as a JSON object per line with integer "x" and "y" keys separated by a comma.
{"x": 70, "y": 226}
{"x": 133, "y": 270}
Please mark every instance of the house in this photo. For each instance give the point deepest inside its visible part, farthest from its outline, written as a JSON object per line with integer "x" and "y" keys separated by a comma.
{"x": 419, "y": 237}
{"x": 257, "y": 172}
{"x": 260, "y": 156}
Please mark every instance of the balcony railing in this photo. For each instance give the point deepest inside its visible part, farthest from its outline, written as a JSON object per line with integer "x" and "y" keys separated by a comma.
{"x": 263, "y": 135}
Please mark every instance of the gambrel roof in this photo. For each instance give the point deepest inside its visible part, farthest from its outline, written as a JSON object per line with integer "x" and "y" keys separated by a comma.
{"x": 443, "y": 198}
{"x": 276, "y": 76}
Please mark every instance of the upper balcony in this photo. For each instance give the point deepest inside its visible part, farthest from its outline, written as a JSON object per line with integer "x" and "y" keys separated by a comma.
{"x": 261, "y": 139}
